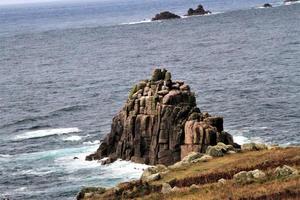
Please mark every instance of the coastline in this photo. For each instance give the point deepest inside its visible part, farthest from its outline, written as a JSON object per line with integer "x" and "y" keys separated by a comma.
{"x": 207, "y": 179}
{"x": 255, "y": 92}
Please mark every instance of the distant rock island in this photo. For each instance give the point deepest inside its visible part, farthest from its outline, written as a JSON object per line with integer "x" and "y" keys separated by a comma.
{"x": 267, "y": 5}
{"x": 165, "y": 15}
{"x": 198, "y": 11}
{"x": 160, "y": 124}
{"x": 168, "y": 15}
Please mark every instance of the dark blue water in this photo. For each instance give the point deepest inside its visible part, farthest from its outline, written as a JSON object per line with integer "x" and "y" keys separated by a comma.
{"x": 67, "y": 72}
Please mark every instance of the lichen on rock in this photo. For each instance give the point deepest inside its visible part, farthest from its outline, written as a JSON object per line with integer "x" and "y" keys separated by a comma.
{"x": 160, "y": 123}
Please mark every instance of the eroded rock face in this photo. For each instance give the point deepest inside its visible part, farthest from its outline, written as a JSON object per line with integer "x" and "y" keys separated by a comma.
{"x": 160, "y": 124}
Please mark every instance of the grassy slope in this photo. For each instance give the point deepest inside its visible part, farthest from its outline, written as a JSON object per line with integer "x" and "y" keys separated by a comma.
{"x": 206, "y": 175}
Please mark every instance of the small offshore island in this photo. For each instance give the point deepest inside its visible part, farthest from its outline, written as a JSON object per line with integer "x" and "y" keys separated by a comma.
{"x": 192, "y": 157}
{"x": 191, "y": 12}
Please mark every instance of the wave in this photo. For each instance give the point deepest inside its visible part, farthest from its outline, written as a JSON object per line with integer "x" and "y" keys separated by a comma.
{"x": 240, "y": 139}
{"x": 138, "y": 22}
{"x": 291, "y": 2}
{"x": 5, "y": 156}
{"x": 243, "y": 136}
{"x": 55, "y": 113}
{"x": 36, "y": 172}
{"x": 68, "y": 109}
{"x": 72, "y": 138}
{"x": 56, "y": 154}
{"x": 46, "y": 132}
{"x": 20, "y": 189}
{"x": 92, "y": 142}
{"x": 125, "y": 170}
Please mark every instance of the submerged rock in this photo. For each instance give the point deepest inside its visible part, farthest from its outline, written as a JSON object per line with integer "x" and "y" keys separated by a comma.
{"x": 267, "y": 5}
{"x": 198, "y": 11}
{"x": 160, "y": 124}
{"x": 165, "y": 15}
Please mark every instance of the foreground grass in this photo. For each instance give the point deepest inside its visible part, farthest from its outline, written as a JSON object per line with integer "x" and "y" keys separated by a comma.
{"x": 274, "y": 189}
{"x": 206, "y": 175}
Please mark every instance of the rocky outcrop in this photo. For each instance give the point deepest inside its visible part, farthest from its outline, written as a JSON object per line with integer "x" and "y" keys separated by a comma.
{"x": 198, "y": 11}
{"x": 165, "y": 15}
{"x": 249, "y": 177}
{"x": 160, "y": 124}
{"x": 254, "y": 147}
{"x": 267, "y": 5}
{"x": 285, "y": 171}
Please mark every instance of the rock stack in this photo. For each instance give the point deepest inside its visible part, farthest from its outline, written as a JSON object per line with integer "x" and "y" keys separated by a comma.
{"x": 198, "y": 11}
{"x": 160, "y": 124}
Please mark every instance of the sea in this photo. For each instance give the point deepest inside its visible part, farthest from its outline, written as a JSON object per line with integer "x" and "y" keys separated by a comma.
{"x": 66, "y": 69}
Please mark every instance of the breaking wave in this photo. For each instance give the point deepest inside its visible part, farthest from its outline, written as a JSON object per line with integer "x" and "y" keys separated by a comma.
{"x": 72, "y": 138}
{"x": 92, "y": 142}
{"x": 46, "y": 132}
{"x": 138, "y": 22}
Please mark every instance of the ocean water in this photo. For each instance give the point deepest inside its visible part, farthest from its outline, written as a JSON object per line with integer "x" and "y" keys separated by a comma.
{"x": 66, "y": 69}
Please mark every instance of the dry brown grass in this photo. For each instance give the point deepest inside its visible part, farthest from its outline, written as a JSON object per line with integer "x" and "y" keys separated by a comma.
{"x": 207, "y": 174}
{"x": 275, "y": 189}
{"x": 227, "y": 166}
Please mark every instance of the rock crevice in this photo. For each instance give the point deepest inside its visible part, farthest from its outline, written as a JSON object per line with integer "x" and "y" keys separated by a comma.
{"x": 160, "y": 124}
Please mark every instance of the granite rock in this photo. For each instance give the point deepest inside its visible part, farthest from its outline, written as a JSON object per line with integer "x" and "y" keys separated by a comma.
{"x": 160, "y": 123}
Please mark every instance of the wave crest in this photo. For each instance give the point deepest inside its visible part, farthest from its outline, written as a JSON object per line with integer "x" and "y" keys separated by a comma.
{"x": 46, "y": 132}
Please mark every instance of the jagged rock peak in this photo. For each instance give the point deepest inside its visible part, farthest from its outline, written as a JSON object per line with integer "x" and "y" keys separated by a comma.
{"x": 161, "y": 89}
{"x": 160, "y": 124}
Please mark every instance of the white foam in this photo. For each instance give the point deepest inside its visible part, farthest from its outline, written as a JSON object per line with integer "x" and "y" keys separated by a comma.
{"x": 46, "y": 132}
{"x": 92, "y": 142}
{"x": 21, "y": 189}
{"x": 208, "y": 14}
{"x": 126, "y": 170}
{"x": 52, "y": 155}
{"x": 72, "y": 138}
{"x": 291, "y": 2}
{"x": 5, "y": 156}
{"x": 240, "y": 139}
{"x": 71, "y": 165}
{"x": 36, "y": 172}
{"x": 139, "y": 22}
{"x": 243, "y": 135}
